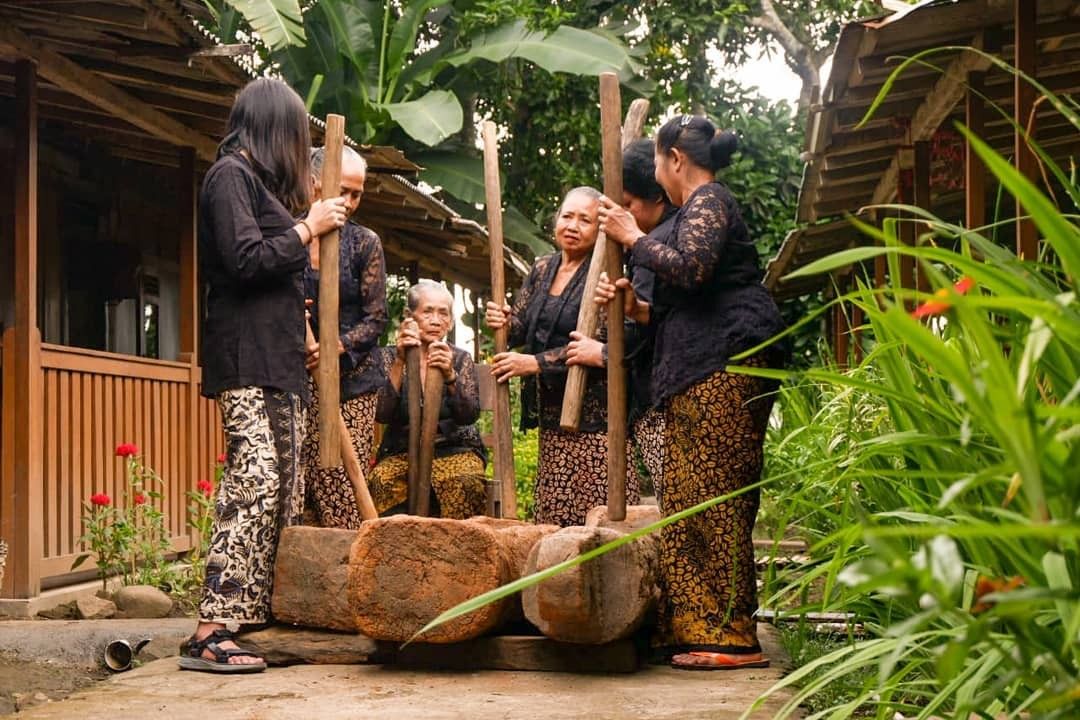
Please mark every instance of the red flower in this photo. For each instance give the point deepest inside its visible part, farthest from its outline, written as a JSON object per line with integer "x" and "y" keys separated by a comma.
{"x": 100, "y": 500}
{"x": 221, "y": 459}
{"x": 126, "y": 450}
{"x": 205, "y": 487}
{"x": 941, "y": 301}
{"x": 139, "y": 499}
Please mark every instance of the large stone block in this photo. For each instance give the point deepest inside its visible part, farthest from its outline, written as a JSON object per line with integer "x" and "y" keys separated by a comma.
{"x": 404, "y": 571}
{"x": 637, "y": 517}
{"x": 311, "y": 578}
{"x": 599, "y": 601}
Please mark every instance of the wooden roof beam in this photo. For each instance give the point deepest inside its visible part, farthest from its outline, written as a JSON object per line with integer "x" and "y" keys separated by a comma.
{"x": 942, "y": 100}
{"x": 97, "y": 91}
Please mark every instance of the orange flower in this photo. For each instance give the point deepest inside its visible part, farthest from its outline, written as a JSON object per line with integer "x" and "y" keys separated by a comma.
{"x": 986, "y": 585}
{"x": 940, "y": 303}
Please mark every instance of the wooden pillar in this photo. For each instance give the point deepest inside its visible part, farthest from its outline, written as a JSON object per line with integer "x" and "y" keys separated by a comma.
{"x": 922, "y": 198}
{"x": 412, "y": 271}
{"x": 478, "y": 303}
{"x": 1025, "y": 18}
{"x": 974, "y": 172}
{"x": 21, "y": 493}
{"x": 186, "y": 197}
{"x": 840, "y": 335}
{"x": 905, "y": 193}
{"x": 858, "y": 317}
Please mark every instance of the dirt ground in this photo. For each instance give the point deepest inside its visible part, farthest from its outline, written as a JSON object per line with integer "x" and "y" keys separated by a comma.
{"x": 24, "y": 683}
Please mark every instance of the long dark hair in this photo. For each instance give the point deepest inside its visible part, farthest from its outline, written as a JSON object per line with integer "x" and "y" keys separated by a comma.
{"x": 269, "y": 121}
{"x": 699, "y": 139}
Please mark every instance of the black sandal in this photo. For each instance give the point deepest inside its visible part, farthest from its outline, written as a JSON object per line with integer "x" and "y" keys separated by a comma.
{"x": 192, "y": 659}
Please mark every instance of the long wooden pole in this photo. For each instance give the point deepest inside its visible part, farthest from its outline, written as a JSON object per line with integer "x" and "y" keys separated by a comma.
{"x": 1026, "y": 18}
{"x": 588, "y": 317}
{"x": 502, "y": 501}
{"x": 611, "y": 133}
{"x": 329, "y": 279}
{"x": 353, "y": 469}
{"x": 415, "y": 385}
{"x": 429, "y": 429}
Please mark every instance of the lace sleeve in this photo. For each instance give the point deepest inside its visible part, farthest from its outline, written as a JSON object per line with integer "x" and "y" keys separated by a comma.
{"x": 370, "y": 265}
{"x": 388, "y": 398}
{"x": 524, "y": 298}
{"x": 463, "y": 396}
{"x": 691, "y": 259}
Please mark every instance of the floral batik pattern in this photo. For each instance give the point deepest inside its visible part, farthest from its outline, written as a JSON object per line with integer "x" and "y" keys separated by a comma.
{"x": 261, "y": 493}
{"x": 571, "y": 477}
{"x": 457, "y": 481}
{"x": 714, "y": 434}
{"x": 329, "y": 491}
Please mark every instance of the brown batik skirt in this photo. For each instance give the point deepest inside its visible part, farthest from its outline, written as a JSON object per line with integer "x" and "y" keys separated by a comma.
{"x": 457, "y": 480}
{"x": 571, "y": 477}
{"x": 329, "y": 491}
{"x": 647, "y": 438}
{"x": 714, "y": 435}
{"x": 260, "y": 493}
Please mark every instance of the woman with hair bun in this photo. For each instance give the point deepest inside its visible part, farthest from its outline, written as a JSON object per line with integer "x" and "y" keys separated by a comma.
{"x": 708, "y": 305}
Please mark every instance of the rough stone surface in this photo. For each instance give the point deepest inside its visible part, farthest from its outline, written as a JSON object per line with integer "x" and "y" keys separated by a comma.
{"x": 599, "y": 601}
{"x": 404, "y": 571}
{"x": 637, "y": 517}
{"x": 311, "y": 577}
{"x": 293, "y": 646}
{"x": 330, "y": 692}
{"x": 94, "y": 608}
{"x": 142, "y": 601}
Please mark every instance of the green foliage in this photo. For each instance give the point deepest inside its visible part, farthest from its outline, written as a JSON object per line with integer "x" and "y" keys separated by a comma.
{"x": 277, "y": 22}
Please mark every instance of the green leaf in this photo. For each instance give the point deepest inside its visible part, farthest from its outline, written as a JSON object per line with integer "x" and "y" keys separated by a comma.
{"x": 521, "y": 230}
{"x": 403, "y": 37}
{"x": 313, "y": 92}
{"x": 567, "y": 49}
{"x": 457, "y": 173}
{"x": 431, "y": 118}
{"x": 352, "y": 32}
{"x": 278, "y": 22}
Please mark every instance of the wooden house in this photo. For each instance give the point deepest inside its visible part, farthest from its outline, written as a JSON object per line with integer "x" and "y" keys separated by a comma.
{"x": 909, "y": 152}
{"x": 111, "y": 112}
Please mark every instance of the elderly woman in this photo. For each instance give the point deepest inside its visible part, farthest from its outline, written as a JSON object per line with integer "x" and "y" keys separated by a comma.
{"x": 457, "y": 475}
{"x": 571, "y": 476}
{"x": 654, "y": 214}
{"x": 708, "y": 306}
{"x": 362, "y": 317}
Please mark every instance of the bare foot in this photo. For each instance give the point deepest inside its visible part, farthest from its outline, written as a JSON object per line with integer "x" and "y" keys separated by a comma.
{"x": 718, "y": 661}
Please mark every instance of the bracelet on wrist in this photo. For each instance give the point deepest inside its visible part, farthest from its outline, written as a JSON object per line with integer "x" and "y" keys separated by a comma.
{"x": 311, "y": 233}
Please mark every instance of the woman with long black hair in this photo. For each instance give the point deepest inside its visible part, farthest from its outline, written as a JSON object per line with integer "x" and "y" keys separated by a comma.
{"x": 708, "y": 306}
{"x": 252, "y": 256}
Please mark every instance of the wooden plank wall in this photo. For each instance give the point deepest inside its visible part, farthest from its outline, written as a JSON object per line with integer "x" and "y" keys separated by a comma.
{"x": 95, "y": 401}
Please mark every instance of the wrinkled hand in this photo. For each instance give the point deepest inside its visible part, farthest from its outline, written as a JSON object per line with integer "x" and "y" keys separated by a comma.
{"x": 496, "y": 317}
{"x": 511, "y": 364}
{"x": 440, "y": 356}
{"x": 584, "y": 350}
{"x": 326, "y": 215}
{"x": 635, "y": 309}
{"x": 408, "y": 335}
{"x": 617, "y": 223}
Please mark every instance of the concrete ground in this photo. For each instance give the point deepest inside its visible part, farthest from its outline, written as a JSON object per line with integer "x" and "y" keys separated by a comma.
{"x": 159, "y": 689}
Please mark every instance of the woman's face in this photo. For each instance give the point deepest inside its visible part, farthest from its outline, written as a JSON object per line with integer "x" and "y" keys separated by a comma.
{"x": 666, "y": 167}
{"x": 647, "y": 213}
{"x": 433, "y": 315}
{"x": 576, "y": 225}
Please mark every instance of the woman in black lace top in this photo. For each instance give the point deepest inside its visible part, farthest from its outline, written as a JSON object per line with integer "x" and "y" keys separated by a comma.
{"x": 457, "y": 473}
{"x": 571, "y": 476}
{"x": 362, "y": 317}
{"x": 708, "y": 305}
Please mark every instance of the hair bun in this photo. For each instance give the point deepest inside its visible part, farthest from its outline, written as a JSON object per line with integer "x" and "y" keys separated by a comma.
{"x": 723, "y": 145}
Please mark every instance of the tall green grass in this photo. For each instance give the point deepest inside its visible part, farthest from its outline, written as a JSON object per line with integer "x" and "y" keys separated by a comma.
{"x": 938, "y": 480}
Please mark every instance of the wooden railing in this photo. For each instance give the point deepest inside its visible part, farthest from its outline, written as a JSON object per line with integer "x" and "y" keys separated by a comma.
{"x": 94, "y": 401}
